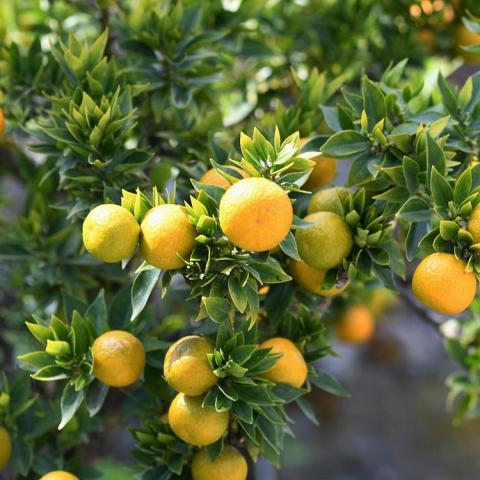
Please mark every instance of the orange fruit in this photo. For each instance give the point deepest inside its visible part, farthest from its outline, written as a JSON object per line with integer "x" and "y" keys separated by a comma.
{"x": 326, "y": 242}
{"x": 328, "y": 200}
{"x": 167, "y": 237}
{"x": 256, "y": 214}
{"x": 229, "y": 465}
{"x": 473, "y": 225}
{"x": 441, "y": 283}
{"x": 356, "y": 325}
{"x": 118, "y": 358}
{"x": 110, "y": 233}
{"x": 212, "y": 177}
{"x": 5, "y": 447}
{"x": 195, "y": 424}
{"x": 324, "y": 170}
{"x": 59, "y": 475}
{"x": 465, "y": 38}
{"x": 312, "y": 279}
{"x": 2, "y": 123}
{"x": 291, "y": 368}
{"x": 187, "y": 355}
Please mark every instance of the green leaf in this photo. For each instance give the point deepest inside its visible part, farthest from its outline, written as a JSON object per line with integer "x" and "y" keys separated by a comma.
{"x": 40, "y": 332}
{"x": 217, "y": 308}
{"x": 50, "y": 373}
{"x": 373, "y": 101}
{"x": 442, "y": 192}
{"x": 463, "y": 186}
{"x": 58, "y": 348}
{"x": 81, "y": 335}
{"x": 70, "y": 403}
{"x": 435, "y": 157}
{"x": 415, "y": 209}
{"x": 95, "y": 397}
{"x": 410, "y": 171}
{"x": 289, "y": 246}
{"x": 346, "y": 144}
{"x": 237, "y": 293}
{"x": 329, "y": 384}
{"x": 142, "y": 287}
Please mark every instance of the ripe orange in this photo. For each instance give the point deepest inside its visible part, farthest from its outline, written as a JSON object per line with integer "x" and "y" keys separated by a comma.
{"x": 356, "y": 325}
{"x": 291, "y": 368}
{"x": 59, "y": 475}
{"x": 323, "y": 172}
{"x": 441, "y": 283}
{"x": 256, "y": 214}
{"x": 312, "y": 279}
{"x": 465, "y": 38}
{"x": 473, "y": 225}
{"x": 326, "y": 242}
{"x": 212, "y": 177}
{"x": 186, "y": 366}
{"x": 167, "y": 237}
{"x": 118, "y": 358}
{"x": 195, "y": 424}
{"x": 229, "y": 465}
{"x": 2, "y": 123}
{"x": 5, "y": 447}
{"x": 110, "y": 233}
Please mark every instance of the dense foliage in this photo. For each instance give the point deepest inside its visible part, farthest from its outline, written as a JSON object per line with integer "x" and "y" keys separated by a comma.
{"x": 130, "y": 103}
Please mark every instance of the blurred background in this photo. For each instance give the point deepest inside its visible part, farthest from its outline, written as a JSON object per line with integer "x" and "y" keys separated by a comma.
{"x": 395, "y": 425}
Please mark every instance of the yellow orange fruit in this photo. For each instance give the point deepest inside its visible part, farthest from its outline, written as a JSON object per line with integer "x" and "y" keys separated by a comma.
{"x": 328, "y": 200}
{"x": 195, "y": 424}
{"x": 229, "y": 465}
{"x": 441, "y": 283}
{"x": 256, "y": 214}
{"x": 291, "y": 368}
{"x": 5, "y": 447}
{"x": 110, "y": 233}
{"x": 356, "y": 325}
{"x": 59, "y": 475}
{"x": 312, "y": 279}
{"x": 381, "y": 299}
{"x": 118, "y": 358}
{"x": 2, "y": 123}
{"x": 465, "y": 38}
{"x": 212, "y": 177}
{"x": 186, "y": 366}
{"x": 473, "y": 225}
{"x": 167, "y": 237}
{"x": 326, "y": 242}
{"x": 323, "y": 172}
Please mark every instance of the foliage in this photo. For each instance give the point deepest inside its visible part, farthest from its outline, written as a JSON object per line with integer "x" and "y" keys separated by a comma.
{"x": 121, "y": 103}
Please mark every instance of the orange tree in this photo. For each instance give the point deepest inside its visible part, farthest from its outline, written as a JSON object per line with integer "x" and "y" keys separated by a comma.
{"x": 170, "y": 257}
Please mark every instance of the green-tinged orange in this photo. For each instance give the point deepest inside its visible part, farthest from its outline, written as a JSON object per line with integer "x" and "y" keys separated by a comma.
{"x": 168, "y": 238}
{"x": 118, "y": 358}
{"x": 110, "y": 233}
{"x": 313, "y": 280}
{"x": 473, "y": 225}
{"x": 291, "y": 367}
{"x": 229, "y": 465}
{"x": 326, "y": 242}
{"x": 5, "y": 447}
{"x": 328, "y": 200}
{"x": 186, "y": 366}
{"x": 195, "y": 424}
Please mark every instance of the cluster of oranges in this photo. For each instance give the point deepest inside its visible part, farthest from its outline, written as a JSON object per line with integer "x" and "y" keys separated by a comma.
{"x": 200, "y": 425}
